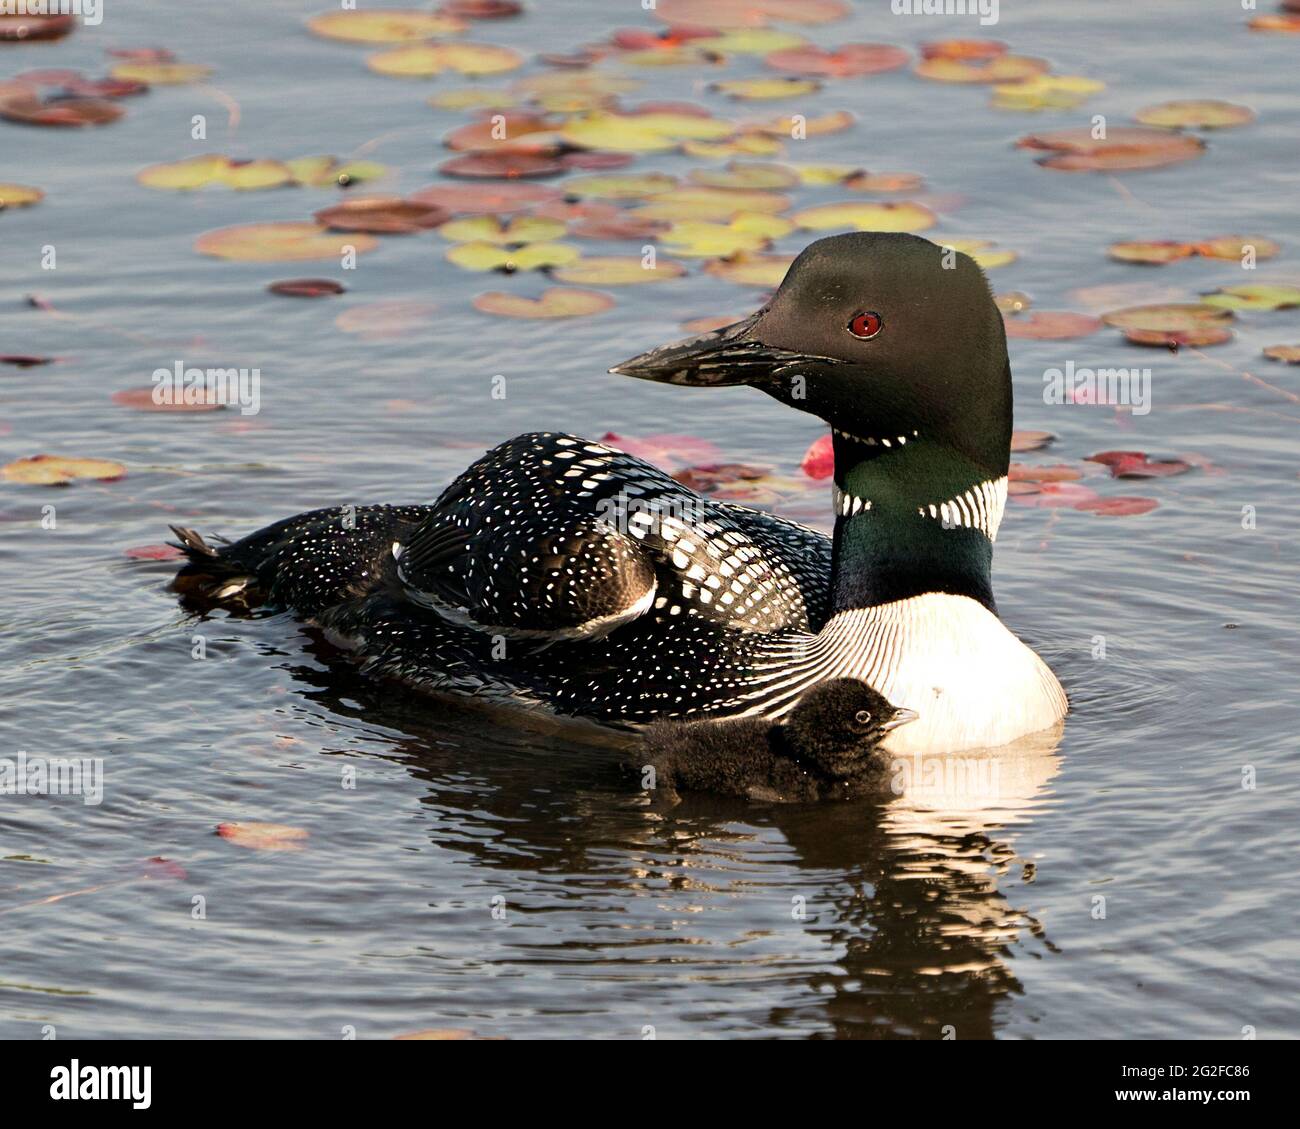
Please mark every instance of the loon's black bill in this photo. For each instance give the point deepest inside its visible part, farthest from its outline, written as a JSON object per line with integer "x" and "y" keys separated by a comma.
{"x": 902, "y": 716}
{"x": 726, "y": 356}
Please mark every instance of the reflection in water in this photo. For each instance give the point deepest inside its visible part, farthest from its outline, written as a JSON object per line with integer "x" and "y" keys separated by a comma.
{"x": 915, "y": 899}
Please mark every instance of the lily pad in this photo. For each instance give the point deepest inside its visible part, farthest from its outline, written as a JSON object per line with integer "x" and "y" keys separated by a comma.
{"x": 506, "y": 166}
{"x": 709, "y": 204}
{"x": 1045, "y": 92}
{"x": 162, "y": 74}
{"x": 200, "y": 172}
{"x": 853, "y": 60}
{"x": 1022, "y": 441}
{"x": 30, "y": 29}
{"x": 382, "y": 215}
{"x": 1137, "y": 464}
{"x": 1234, "y": 247}
{"x": 489, "y": 229}
{"x": 730, "y": 14}
{"x": 1288, "y": 354}
{"x": 751, "y": 269}
{"x": 384, "y": 25}
{"x": 1117, "y": 507}
{"x": 1124, "y": 148}
{"x": 555, "y": 302}
{"x": 481, "y": 256}
{"x": 617, "y": 270}
{"x": 746, "y": 175}
{"x": 885, "y": 182}
{"x": 1172, "y": 317}
{"x": 142, "y": 400}
{"x": 1254, "y": 296}
{"x": 19, "y": 196}
{"x": 307, "y": 287}
{"x": 749, "y": 231}
{"x": 861, "y": 215}
{"x": 59, "y": 470}
{"x": 993, "y": 69}
{"x": 1196, "y": 114}
{"x": 320, "y": 172}
{"x": 31, "y": 109}
{"x": 1153, "y": 252}
{"x": 767, "y": 89}
{"x": 1195, "y": 338}
{"x": 834, "y": 122}
{"x": 263, "y": 836}
{"x": 281, "y": 242}
{"x": 485, "y": 199}
{"x": 1052, "y": 325}
{"x": 633, "y": 186}
{"x": 386, "y": 319}
{"x": 424, "y": 60}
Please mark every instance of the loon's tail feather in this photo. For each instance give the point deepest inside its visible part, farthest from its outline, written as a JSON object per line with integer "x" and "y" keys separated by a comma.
{"x": 212, "y": 575}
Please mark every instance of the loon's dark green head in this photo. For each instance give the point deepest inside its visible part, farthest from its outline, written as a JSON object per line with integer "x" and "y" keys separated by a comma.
{"x": 887, "y": 337}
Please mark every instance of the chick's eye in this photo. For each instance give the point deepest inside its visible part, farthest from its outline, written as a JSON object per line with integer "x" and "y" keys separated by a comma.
{"x": 862, "y": 717}
{"x": 866, "y": 325}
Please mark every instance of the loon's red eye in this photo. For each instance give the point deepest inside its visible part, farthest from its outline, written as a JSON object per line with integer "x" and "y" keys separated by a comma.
{"x": 866, "y": 325}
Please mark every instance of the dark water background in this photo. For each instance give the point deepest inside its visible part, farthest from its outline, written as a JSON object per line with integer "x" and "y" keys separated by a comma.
{"x": 619, "y": 916}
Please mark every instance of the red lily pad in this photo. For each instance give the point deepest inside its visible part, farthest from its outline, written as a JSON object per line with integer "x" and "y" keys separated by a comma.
{"x": 1059, "y": 472}
{"x": 263, "y": 836}
{"x": 1135, "y": 464}
{"x": 31, "y": 109}
{"x": 1055, "y": 495}
{"x": 28, "y": 29}
{"x": 1052, "y": 325}
{"x": 1117, "y": 507}
{"x": 556, "y": 302}
{"x": 481, "y": 9}
{"x": 1288, "y": 354}
{"x": 1022, "y": 441}
{"x": 154, "y": 553}
{"x": 506, "y": 166}
{"x": 819, "y": 460}
{"x": 307, "y": 287}
{"x": 850, "y": 61}
{"x": 664, "y": 450}
{"x": 1123, "y": 148}
{"x": 596, "y": 161}
{"x": 382, "y": 215}
{"x": 1196, "y": 338}
{"x": 142, "y": 400}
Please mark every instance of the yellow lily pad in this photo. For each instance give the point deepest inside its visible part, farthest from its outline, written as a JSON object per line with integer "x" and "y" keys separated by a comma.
{"x": 555, "y": 302}
{"x": 885, "y": 182}
{"x": 751, "y": 270}
{"x": 215, "y": 168}
{"x": 383, "y": 25}
{"x": 489, "y": 229}
{"x": 1254, "y": 296}
{"x": 483, "y": 256}
{"x": 634, "y": 186}
{"x": 59, "y": 470}
{"x": 767, "y": 89}
{"x": 642, "y": 133}
{"x": 743, "y": 145}
{"x": 1045, "y": 92}
{"x": 833, "y": 122}
{"x": 1169, "y": 317}
{"x": 820, "y": 176}
{"x": 856, "y": 215}
{"x": 753, "y": 41}
{"x": 997, "y": 69}
{"x": 709, "y": 204}
{"x": 617, "y": 270}
{"x": 1156, "y": 252}
{"x": 740, "y": 174}
{"x": 982, "y": 251}
{"x": 162, "y": 74}
{"x": 318, "y": 172}
{"x": 19, "y": 196}
{"x": 1289, "y": 354}
{"x": 422, "y": 60}
{"x": 749, "y": 231}
{"x": 281, "y": 242}
{"x": 1204, "y": 113}
{"x": 474, "y": 98}
{"x": 1234, "y": 247}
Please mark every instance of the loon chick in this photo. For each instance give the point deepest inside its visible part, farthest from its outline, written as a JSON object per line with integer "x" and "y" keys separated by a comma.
{"x": 561, "y": 574}
{"x": 825, "y": 749}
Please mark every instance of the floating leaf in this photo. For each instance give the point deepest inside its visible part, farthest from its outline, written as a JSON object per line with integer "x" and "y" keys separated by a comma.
{"x": 1254, "y": 296}
{"x": 617, "y": 270}
{"x": 474, "y": 98}
{"x": 822, "y": 175}
{"x": 668, "y": 452}
{"x": 731, "y": 14}
{"x": 749, "y": 231}
{"x": 1117, "y": 507}
{"x": 426, "y": 59}
{"x": 1202, "y": 114}
{"x": 556, "y": 302}
{"x": 19, "y": 196}
{"x": 861, "y": 215}
{"x": 29, "y": 29}
{"x": 514, "y": 133}
{"x": 1289, "y": 354}
{"x": 386, "y": 319}
{"x": 59, "y": 470}
{"x": 850, "y": 61}
{"x": 383, "y": 25}
{"x": 1045, "y": 92}
{"x": 746, "y": 175}
{"x": 307, "y": 287}
{"x": 963, "y": 49}
{"x": 1053, "y": 495}
{"x": 263, "y": 836}
{"x": 281, "y": 242}
{"x": 1052, "y": 325}
{"x": 743, "y": 145}
{"x": 23, "y": 360}
{"x": 641, "y": 133}
{"x": 754, "y": 41}
{"x": 154, "y": 553}
{"x": 507, "y": 166}
{"x": 385, "y": 215}
{"x": 143, "y": 400}
{"x": 489, "y": 229}
{"x": 1236, "y": 246}
{"x": 31, "y": 109}
{"x": 1123, "y": 148}
{"x": 533, "y": 256}
{"x": 497, "y": 199}
{"x": 1175, "y": 338}
{"x": 1168, "y": 318}
{"x": 709, "y": 204}
{"x": 319, "y": 172}
{"x": 629, "y": 187}
{"x": 767, "y": 89}
{"x": 1136, "y": 464}
{"x": 1155, "y": 252}
{"x": 1281, "y": 21}
{"x": 199, "y": 172}
{"x": 161, "y": 74}
{"x": 1057, "y": 472}
{"x": 819, "y": 460}
{"x": 482, "y": 9}
{"x": 812, "y": 127}
{"x": 751, "y": 270}
{"x": 884, "y": 182}
{"x": 1022, "y": 441}
{"x": 995, "y": 68}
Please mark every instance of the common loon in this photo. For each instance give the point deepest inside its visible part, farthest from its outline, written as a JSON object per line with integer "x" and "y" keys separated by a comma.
{"x": 563, "y": 574}
{"x": 825, "y": 749}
